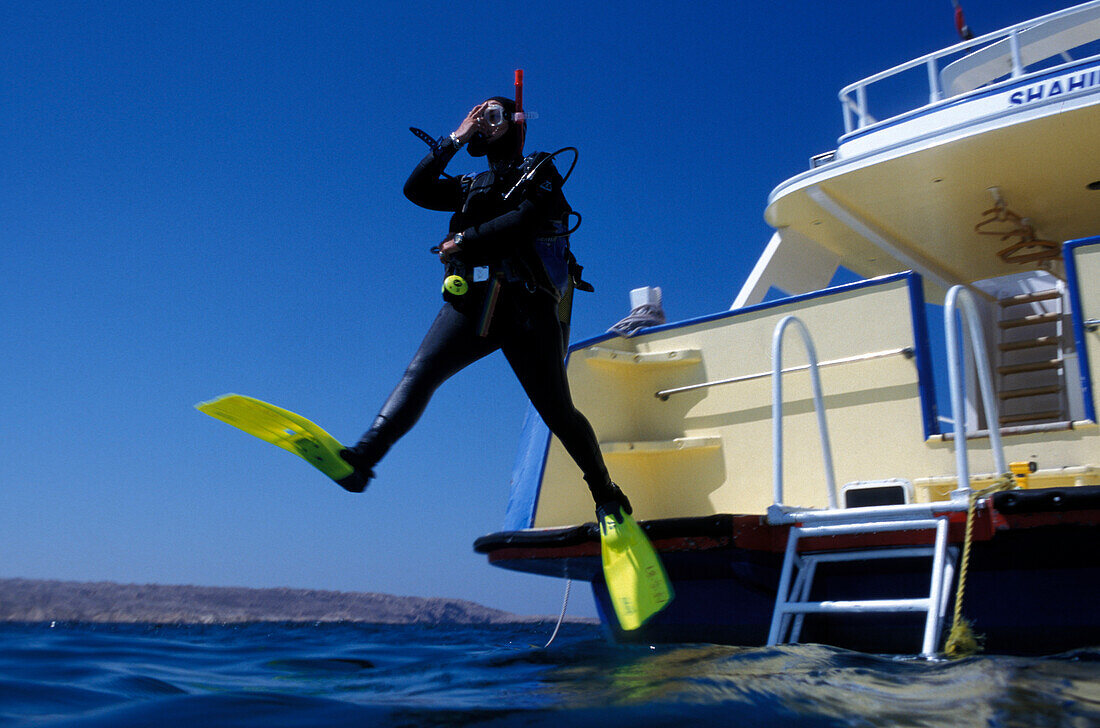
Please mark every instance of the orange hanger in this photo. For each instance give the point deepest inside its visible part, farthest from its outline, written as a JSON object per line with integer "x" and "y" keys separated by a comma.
{"x": 1028, "y": 249}
{"x": 1009, "y": 221}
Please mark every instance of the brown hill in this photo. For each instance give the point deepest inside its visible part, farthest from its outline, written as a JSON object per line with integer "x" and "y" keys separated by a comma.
{"x": 29, "y": 600}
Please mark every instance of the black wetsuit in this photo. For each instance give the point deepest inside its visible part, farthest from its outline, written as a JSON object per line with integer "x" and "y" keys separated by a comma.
{"x": 499, "y": 236}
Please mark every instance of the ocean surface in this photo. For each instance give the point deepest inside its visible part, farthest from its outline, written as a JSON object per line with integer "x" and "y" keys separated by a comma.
{"x": 275, "y": 675}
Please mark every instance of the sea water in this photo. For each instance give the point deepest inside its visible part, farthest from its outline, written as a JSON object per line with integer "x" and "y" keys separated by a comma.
{"x": 275, "y": 675}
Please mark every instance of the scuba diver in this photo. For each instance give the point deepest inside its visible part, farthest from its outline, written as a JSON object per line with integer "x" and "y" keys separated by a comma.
{"x": 507, "y": 269}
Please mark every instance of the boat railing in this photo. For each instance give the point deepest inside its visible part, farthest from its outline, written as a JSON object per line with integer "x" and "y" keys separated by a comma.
{"x": 777, "y": 409}
{"x": 1007, "y": 52}
{"x": 959, "y": 299}
{"x": 903, "y": 351}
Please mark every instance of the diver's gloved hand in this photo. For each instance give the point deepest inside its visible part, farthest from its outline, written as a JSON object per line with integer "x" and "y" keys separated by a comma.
{"x": 612, "y": 502}
{"x": 359, "y": 479}
{"x": 472, "y": 124}
{"x": 448, "y": 248}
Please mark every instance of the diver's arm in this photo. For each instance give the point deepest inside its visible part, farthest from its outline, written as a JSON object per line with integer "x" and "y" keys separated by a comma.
{"x": 495, "y": 236}
{"x": 425, "y": 187}
{"x": 539, "y": 200}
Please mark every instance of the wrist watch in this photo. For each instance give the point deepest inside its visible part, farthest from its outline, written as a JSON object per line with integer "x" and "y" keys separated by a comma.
{"x": 454, "y": 141}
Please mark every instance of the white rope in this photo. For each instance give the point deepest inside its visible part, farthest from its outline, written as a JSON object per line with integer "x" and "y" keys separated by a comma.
{"x": 561, "y": 617}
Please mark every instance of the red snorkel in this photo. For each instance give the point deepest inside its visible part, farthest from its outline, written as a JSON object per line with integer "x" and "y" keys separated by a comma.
{"x": 519, "y": 117}
{"x": 519, "y": 90}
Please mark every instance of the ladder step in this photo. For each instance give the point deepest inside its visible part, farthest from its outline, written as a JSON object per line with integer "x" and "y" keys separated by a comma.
{"x": 1029, "y": 392}
{"x": 1031, "y": 417}
{"x": 1029, "y": 343}
{"x": 848, "y": 529}
{"x": 866, "y": 605}
{"x": 1029, "y": 298}
{"x": 1035, "y": 366}
{"x": 1035, "y": 318}
{"x": 890, "y": 552}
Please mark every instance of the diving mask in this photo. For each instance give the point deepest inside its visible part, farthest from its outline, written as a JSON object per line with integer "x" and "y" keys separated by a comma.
{"x": 495, "y": 115}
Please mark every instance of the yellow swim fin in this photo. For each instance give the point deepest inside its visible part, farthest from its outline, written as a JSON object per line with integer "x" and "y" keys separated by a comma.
{"x": 636, "y": 578}
{"x": 283, "y": 428}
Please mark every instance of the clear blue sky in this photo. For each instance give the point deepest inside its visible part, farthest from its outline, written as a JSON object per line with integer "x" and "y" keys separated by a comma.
{"x": 199, "y": 198}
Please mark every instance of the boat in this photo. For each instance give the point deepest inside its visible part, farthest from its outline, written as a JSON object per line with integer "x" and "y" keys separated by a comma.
{"x": 792, "y": 459}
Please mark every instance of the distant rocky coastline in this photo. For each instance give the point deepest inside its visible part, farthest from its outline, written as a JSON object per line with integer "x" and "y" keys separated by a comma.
{"x": 31, "y": 600}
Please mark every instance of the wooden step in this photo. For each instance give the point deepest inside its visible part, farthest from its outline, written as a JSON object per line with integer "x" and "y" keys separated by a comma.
{"x": 1035, "y": 318}
{"x": 1029, "y": 392}
{"x": 1034, "y": 366}
{"x": 1033, "y": 297}
{"x": 1029, "y": 343}
{"x": 1031, "y": 417}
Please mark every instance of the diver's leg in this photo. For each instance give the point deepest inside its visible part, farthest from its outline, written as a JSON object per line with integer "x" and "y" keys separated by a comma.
{"x": 533, "y": 346}
{"x": 450, "y": 345}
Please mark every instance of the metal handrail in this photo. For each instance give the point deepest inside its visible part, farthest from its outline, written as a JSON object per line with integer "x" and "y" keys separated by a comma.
{"x": 906, "y": 351}
{"x": 858, "y": 108}
{"x": 777, "y": 409}
{"x": 972, "y": 325}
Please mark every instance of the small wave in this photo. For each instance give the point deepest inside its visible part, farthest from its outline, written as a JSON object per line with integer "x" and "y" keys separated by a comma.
{"x": 336, "y": 675}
